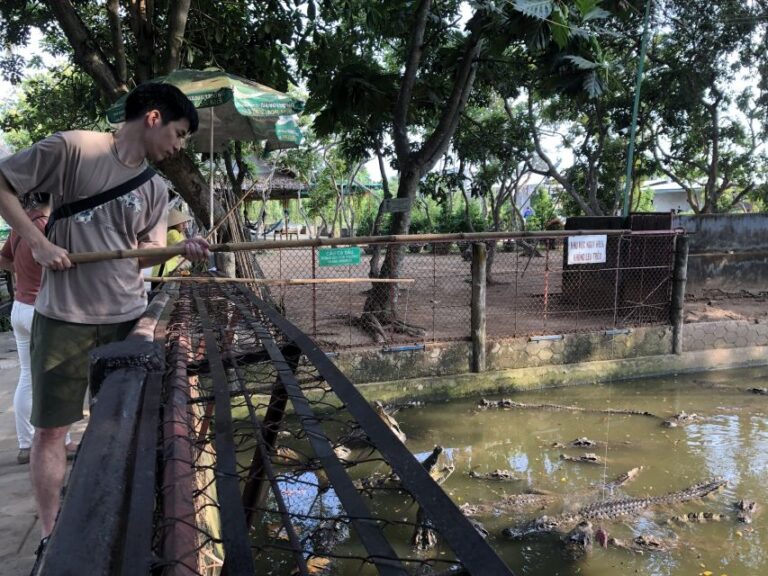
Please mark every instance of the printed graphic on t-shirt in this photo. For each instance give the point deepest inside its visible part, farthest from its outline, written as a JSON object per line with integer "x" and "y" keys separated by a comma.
{"x": 132, "y": 200}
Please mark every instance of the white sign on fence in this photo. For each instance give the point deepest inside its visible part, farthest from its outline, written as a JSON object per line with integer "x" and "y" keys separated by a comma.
{"x": 586, "y": 249}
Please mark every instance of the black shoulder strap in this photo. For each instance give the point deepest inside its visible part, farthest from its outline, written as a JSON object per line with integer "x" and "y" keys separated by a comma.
{"x": 78, "y": 206}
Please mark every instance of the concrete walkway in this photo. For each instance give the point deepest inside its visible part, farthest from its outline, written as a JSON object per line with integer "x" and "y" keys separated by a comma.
{"x": 19, "y": 529}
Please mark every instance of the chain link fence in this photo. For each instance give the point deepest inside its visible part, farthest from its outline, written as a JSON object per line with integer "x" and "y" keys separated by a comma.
{"x": 531, "y": 289}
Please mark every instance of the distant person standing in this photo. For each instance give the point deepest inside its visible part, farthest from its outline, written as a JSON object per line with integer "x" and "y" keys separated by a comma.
{"x": 178, "y": 222}
{"x": 16, "y": 257}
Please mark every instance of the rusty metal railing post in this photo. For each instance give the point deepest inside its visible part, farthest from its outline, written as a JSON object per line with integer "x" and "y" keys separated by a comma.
{"x": 478, "y": 321}
{"x": 679, "y": 279}
{"x": 179, "y": 538}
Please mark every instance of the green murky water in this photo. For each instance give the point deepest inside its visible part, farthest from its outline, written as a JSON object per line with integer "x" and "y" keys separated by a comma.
{"x": 730, "y": 441}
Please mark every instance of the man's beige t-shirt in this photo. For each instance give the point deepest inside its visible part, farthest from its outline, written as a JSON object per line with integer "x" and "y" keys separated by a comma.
{"x": 71, "y": 166}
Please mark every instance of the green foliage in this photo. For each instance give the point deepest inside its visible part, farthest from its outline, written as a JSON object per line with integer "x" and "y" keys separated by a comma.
{"x": 354, "y": 53}
{"x": 703, "y": 125}
{"x": 642, "y": 200}
{"x": 419, "y": 223}
{"x": 61, "y": 98}
{"x": 455, "y": 221}
{"x": 543, "y": 210}
{"x": 441, "y": 187}
{"x": 494, "y": 142}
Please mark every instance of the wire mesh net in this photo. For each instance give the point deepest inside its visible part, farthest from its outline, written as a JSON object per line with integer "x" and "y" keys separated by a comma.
{"x": 317, "y": 494}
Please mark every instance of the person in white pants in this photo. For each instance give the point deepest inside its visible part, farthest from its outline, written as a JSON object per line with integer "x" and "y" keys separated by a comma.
{"x": 16, "y": 257}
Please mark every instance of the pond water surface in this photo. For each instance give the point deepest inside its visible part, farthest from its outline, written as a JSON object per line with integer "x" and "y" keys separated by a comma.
{"x": 729, "y": 441}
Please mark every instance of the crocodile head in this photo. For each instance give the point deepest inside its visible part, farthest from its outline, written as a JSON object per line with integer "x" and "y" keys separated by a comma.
{"x": 578, "y": 542}
{"x": 745, "y": 510}
{"x": 537, "y": 525}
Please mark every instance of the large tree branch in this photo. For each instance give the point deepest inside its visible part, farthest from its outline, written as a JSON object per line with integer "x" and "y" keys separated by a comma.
{"x": 689, "y": 192}
{"x": 440, "y": 139}
{"x": 552, "y": 170}
{"x": 115, "y": 27}
{"x": 143, "y": 30}
{"x": 88, "y": 54}
{"x": 178, "y": 11}
{"x": 415, "y": 50}
{"x": 747, "y": 189}
{"x": 382, "y": 170}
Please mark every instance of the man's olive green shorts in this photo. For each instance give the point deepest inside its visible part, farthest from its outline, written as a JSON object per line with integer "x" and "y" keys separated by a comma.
{"x": 60, "y": 359}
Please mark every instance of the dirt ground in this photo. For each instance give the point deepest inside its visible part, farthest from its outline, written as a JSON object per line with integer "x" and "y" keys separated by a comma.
{"x": 529, "y": 295}
{"x": 713, "y": 305}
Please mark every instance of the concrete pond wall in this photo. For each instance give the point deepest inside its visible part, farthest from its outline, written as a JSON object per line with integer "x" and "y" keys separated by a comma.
{"x": 728, "y": 252}
{"x": 442, "y": 370}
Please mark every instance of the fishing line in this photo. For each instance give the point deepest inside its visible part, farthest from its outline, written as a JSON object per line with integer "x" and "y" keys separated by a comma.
{"x": 604, "y": 488}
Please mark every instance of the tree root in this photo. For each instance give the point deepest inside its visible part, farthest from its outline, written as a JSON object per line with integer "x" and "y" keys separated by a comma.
{"x": 374, "y": 324}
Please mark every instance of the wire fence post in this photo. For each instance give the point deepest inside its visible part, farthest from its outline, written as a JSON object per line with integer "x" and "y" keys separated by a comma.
{"x": 478, "y": 322}
{"x": 679, "y": 279}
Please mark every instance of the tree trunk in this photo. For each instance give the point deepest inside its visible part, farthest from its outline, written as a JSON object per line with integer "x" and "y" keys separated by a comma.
{"x": 382, "y": 299}
{"x": 332, "y": 231}
{"x": 374, "y": 267}
{"x": 467, "y": 214}
{"x": 190, "y": 184}
{"x": 178, "y": 11}
{"x": 144, "y": 32}
{"x": 380, "y": 305}
{"x": 118, "y": 46}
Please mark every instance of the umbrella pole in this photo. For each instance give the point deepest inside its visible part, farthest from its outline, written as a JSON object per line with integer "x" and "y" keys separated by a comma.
{"x": 210, "y": 226}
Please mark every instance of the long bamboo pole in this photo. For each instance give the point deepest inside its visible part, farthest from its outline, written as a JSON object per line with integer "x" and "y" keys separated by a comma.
{"x": 276, "y": 282}
{"x": 178, "y": 249}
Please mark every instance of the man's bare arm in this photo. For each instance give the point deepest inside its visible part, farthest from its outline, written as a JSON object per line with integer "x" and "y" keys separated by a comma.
{"x": 44, "y": 252}
{"x": 196, "y": 249}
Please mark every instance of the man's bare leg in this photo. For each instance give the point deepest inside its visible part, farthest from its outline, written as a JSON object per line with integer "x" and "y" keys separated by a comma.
{"x": 48, "y": 465}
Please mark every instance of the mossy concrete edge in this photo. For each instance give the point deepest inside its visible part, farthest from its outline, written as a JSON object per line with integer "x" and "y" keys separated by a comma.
{"x": 520, "y": 379}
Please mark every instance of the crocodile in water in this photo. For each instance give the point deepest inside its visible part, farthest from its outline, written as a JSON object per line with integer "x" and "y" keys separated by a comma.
{"x": 507, "y": 403}
{"x": 502, "y": 475}
{"x": 612, "y": 509}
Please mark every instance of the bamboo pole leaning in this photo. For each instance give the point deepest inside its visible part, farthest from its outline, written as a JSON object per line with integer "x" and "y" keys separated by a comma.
{"x": 275, "y": 281}
{"x": 178, "y": 250}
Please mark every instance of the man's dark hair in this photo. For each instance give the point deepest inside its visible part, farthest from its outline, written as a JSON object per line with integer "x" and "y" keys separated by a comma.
{"x": 167, "y": 99}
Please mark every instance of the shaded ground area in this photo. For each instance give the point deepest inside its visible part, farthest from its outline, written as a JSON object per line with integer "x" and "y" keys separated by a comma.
{"x": 714, "y": 305}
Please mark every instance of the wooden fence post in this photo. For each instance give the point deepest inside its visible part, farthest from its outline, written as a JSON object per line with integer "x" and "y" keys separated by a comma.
{"x": 677, "y": 306}
{"x": 479, "y": 257}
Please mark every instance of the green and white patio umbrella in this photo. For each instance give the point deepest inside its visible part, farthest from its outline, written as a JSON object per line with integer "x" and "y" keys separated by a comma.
{"x": 231, "y": 108}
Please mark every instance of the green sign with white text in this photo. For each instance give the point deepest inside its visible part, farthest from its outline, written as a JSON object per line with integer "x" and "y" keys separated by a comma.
{"x": 339, "y": 256}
